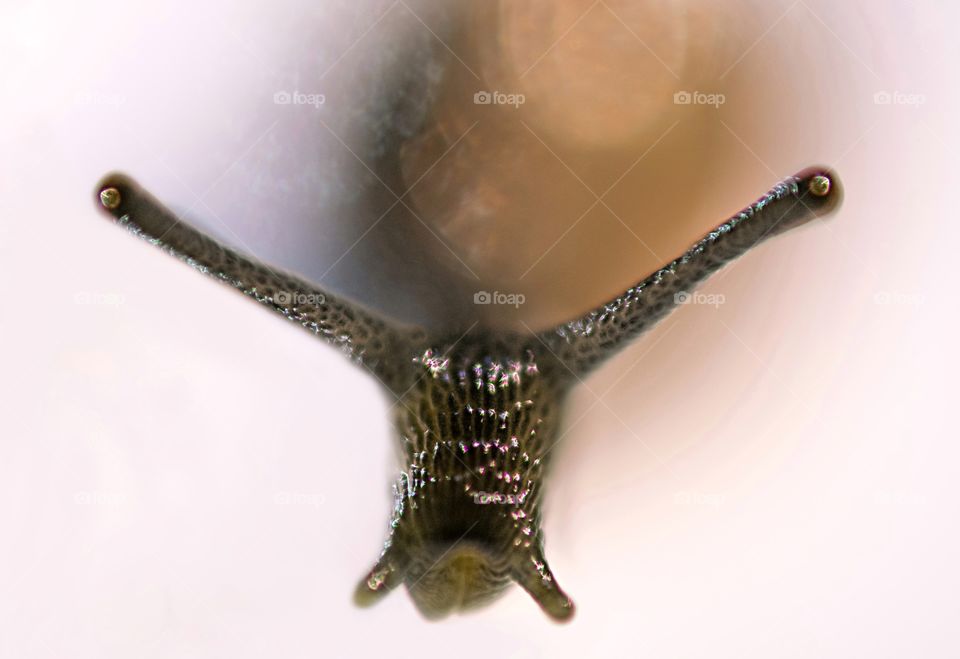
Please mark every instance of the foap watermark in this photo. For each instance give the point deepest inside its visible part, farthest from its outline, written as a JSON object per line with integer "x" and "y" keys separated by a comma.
{"x": 299, "y": 98}
{"x": 714, "y": 99}
{"x": 298, "y": 499}
{"x": 95, "y": 98}
{"x": 98, "y": 299}
{"x": 709, "y": 299}
{"x": 499, "y": 98}
{"x": 99, "y": 498}
{"x": 496, "y": 297}
{"x": 899, "y": 98}
{"x": 899, "y": 498}
{"x": 294, "y": 298}
{"x": 690, "y": 498}
{"x": 898, "y": 299}
{"x": 498, "y": 498}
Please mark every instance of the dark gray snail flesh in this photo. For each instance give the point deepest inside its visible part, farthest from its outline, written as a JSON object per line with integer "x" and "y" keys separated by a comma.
{"x": 477, "y": 413}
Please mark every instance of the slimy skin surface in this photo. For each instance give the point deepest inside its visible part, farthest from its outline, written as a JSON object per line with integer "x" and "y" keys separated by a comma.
{"x": 477, "y": 412}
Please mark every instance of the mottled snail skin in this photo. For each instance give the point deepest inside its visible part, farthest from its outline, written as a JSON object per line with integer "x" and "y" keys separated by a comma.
{"x": 477, "y": 413}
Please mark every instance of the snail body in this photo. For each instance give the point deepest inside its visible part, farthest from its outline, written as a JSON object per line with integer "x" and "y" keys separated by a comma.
{"x": 477, "y": 412}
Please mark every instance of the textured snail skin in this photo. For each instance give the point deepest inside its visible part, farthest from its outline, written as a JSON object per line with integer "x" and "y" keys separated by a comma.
{"x": 477, "y": 412}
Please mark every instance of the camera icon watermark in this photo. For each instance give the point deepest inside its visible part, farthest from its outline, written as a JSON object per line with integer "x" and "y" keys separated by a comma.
{"x": 884, "y": 97}
{"x": 298, "y": 98}
{"x": 98, "y": 98}
{"x": 690, "y": 498}
{"x": 298, "y": 499}
{"x": 498, "y": 298}
{"x": 498, "y": 498}
{"x": 499, "y": 98}
{"x": 699, "y": 98}
{"x": 898, "y": 299}
{"x": 99, "y": 498}
{"x": 296, "y": 298}
{"x": 98, "y": 299}
{"x": 899, "y": 497}
{"x": 709, "y": 299}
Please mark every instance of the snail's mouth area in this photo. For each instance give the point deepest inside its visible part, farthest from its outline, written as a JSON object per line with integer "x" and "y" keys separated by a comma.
{"x": 467, "y": 575}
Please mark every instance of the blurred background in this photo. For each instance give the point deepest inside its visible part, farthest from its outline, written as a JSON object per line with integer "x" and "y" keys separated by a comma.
{"x": 771, "y": 471}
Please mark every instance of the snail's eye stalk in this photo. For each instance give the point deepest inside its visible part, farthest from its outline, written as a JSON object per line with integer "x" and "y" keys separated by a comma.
{"x": 584, "y": 342}
{"x": 369, "y": 339}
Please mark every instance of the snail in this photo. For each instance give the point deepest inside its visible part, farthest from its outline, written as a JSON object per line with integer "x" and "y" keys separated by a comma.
{"x": 477, "y": 410}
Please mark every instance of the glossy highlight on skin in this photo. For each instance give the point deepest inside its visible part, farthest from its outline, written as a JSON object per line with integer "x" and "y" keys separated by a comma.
{"x": 477, "y": 411}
